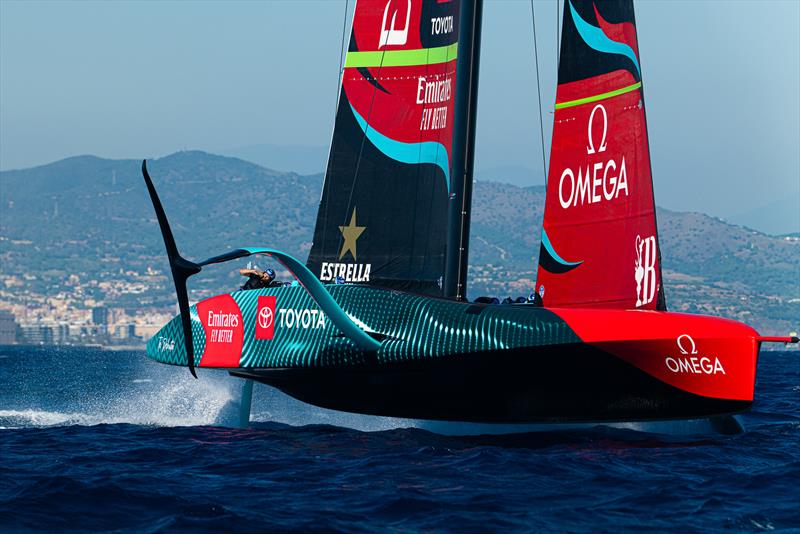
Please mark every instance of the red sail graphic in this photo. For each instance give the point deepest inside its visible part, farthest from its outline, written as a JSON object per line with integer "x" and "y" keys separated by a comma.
{"x": 599, "y": 238}
{"x": 406, "y": 96}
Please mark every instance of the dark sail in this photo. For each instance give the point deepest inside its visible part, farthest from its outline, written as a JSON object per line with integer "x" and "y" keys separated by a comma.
{"x": 599, "y": 237}
{"x": 383, "y": 214}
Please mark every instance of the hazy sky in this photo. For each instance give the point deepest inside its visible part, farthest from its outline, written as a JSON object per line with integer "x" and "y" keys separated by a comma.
{"x": 136, "y": 79}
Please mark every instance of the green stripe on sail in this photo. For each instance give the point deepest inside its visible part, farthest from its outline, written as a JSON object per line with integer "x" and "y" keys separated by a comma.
{"x": 402, "y": 58}
{"x": 601, "y": 96}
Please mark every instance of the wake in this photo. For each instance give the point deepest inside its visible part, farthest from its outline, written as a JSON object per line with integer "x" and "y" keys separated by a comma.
{"x": 179, "y": 401}
{"x": 139, "y": 392}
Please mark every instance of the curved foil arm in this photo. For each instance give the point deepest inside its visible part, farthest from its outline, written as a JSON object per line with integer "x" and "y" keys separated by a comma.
{"x": 313, "y": 286}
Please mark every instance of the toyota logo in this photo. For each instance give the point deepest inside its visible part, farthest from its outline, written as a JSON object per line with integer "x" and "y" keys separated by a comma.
{"x": 265, "y": 317}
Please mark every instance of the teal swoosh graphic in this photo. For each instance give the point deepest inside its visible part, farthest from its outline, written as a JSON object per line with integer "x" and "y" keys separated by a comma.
{"x": 597, "y": 40}
{"x": 554, "y": 254}
{"x": 321, "y": 296}
{"x": 411, "y": 153}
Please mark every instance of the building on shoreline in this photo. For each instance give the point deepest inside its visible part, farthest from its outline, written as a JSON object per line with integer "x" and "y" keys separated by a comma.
{"x": 9, "y": 329}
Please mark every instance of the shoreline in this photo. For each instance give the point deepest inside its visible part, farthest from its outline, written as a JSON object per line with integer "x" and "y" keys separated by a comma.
{"x": 78, "y": 346}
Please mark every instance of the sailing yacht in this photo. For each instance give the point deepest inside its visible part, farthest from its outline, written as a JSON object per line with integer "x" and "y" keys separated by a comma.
{"x": 378, "y": 321}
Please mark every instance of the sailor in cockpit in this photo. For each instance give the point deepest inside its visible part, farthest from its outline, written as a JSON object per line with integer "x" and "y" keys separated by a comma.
{"x": 257, "y": 279}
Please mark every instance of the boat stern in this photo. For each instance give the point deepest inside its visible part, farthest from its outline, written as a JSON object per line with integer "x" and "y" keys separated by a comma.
{"x": 705, "y": 356}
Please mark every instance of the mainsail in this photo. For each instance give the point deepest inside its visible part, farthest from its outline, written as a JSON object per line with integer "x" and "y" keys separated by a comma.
{"x": 599, "y": 238}
{"x": 383, "y": 213}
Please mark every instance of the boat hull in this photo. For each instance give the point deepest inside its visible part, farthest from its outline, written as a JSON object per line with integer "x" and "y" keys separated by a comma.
{"x": 567, "y": 383}
{"x": 454, "y": 361}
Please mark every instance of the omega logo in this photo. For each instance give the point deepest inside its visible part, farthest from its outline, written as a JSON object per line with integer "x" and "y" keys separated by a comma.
{"x": 594, "y": 181}
{"x": 603, "y": 146}
{"x": 685, "y": 340}
{"x": 690, "y": 363}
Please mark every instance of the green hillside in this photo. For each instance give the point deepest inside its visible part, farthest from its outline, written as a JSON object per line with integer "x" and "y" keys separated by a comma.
{"x": 87, "y": 222}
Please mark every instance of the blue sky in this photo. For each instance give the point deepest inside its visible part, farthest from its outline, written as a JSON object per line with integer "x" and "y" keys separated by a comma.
{"x": 136, "y": 79}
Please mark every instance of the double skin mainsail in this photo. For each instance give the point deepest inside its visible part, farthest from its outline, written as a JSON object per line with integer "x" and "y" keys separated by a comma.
{"x": 383, "y": 213}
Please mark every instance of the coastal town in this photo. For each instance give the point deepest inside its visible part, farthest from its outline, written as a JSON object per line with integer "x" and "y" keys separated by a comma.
{"x": 76, "y": 316}
{"x": 123, "y": 310}
{"x": 85, "y": 264}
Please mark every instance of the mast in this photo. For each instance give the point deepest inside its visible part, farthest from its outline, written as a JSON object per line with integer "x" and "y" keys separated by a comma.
{"x": 460, "y": 201}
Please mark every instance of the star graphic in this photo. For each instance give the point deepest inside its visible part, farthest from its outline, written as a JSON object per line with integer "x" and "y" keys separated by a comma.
{"x": 351, "y": 232}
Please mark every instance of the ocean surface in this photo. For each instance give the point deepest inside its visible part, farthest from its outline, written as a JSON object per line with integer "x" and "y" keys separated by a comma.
{"x": 99, "y": 440}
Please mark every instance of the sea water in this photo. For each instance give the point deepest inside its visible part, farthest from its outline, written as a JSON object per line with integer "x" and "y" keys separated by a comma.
{"x": 103, "y": 440}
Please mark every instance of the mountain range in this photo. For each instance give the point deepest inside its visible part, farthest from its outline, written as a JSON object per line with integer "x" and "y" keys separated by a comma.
{"x": 87, "y": 219}
{"x": 779, "y": 216}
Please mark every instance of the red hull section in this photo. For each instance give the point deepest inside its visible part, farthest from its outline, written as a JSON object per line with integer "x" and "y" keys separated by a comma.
{"x": 706, "y": 356}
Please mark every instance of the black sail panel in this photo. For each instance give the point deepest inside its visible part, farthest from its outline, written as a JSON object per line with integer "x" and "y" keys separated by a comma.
{"x": 383, "y": 214}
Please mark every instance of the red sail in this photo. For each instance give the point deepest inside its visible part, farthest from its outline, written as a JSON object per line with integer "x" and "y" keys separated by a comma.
{"x": 401, "y": 77}
{"x": 599, "y": 237}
